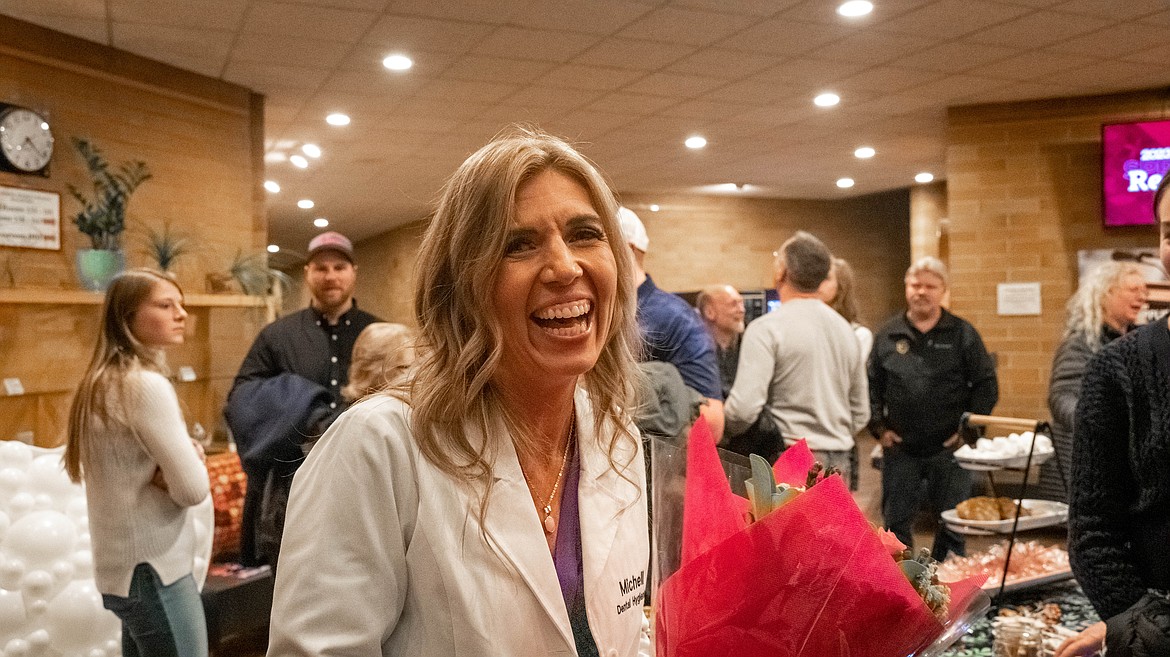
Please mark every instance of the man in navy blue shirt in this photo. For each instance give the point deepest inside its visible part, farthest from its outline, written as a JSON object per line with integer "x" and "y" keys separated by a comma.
{"x": 672, "y": 331}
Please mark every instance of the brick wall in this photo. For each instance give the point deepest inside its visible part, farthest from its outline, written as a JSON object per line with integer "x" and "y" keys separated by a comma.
{"x": 1024, "y": 188}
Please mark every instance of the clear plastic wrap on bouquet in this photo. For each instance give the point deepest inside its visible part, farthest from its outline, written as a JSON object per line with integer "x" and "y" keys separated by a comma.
{"x": 811, "y": 579}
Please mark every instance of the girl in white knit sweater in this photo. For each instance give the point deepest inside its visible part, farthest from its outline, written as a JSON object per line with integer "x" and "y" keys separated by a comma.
{"x": 129, "y": 443}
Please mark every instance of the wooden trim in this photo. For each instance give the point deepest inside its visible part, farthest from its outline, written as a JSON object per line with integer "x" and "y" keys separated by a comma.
{"x": 82, "y": 297}
{"x": 1136, "y": 105}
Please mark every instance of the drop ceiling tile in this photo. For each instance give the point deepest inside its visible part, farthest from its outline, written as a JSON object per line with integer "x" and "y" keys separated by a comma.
{"x": 374, "y": 84}
{"x": 80, "y": 9}
{"x": 636, "y": 54}
{"x": 706, "y": 110}
{"x": 552, "y": 98}
{"x": 464, "y": 91}
{"x": 259, "y": 77}
{"x": 673, "y": 85}
{"x": 367, "y": 5}
{"x": 303, "y": 21}
{"x": 1128, "y": 10}
{"x": 601, "y": 17}
{"x": 414, "y": 33}
{"x": 685, "y": 26}
{"x": 202, "y": 51}
{"x": 956, "y": 88}
{"x": 1038, "y": 29}
{"x": 509, "y": 113}
{"x": 368, "y": 57}
{"x": 1035, "y": 65}
{"x": 540, "y": 45}
{"x": 740, "y": 7}
{"x": 810, "y": 73}
{"x": 495, "y": 69}
{"x": 1160, "y": 18}
{"x": 753, "y": 91}
{"x": 1115, "y": 42}
{"x": 95, "y": 30}
{"x": 628, "y": 103}
{"x": 785, "y": 37}
{"x": 289, "y": 51}
{"x": 722, "y": 63}
{"x": 206, "y": 14}
{"x": 440, "y": 107}
{"x": 588, "y": 125}
{"x": 1157, "y": 55}
{"x": 885, "y": 79}
{"x": 497, "y": 12}
{"x": 577, "y": 76}
{"x": 872, "y": 47}
{"x": 1098, "y": 76}
{"x": 955, "y": 57}
{"x": 947, "y": 19}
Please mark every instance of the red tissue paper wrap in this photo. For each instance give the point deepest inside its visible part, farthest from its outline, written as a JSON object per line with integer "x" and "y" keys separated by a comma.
{"x": 811, "y": 579}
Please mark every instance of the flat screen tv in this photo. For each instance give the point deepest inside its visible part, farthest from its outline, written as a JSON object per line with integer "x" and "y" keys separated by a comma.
{"x": 1134, "y": 157}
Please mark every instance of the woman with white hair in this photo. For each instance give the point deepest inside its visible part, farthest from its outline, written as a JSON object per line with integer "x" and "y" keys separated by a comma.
{"x": 1104, "y": 308}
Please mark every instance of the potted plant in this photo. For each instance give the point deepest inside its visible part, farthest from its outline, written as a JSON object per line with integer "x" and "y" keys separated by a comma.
{"x": 166, "y": 246}
{"x": 103, "y": 216}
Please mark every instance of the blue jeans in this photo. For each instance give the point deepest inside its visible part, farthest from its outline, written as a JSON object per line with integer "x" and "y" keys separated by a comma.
{"x": 903, "y": 478}
{"x": 160, "y": 621}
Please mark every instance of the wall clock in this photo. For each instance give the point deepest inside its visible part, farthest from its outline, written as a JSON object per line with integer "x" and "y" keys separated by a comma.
{"x": 26, "y": 140}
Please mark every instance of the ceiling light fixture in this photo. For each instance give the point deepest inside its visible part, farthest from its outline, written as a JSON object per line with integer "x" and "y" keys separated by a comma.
{"x": 397, "y": 62}
{"x": 275, "y": 156}
{"x": 312, "y": 150}
{"x": 695, "y": 142}
{"x": 320, "y": 222}
{"x": 845, "y": 183}
{"x": 924, "y": 177}
{"x": 305, "y": 204}
{"x": 337, "y": 118}
{"x": 827, "y": 100}
{"x": 299, "y": 161}
{"x": 654, "y": 208}
{"x": 864, "y": 153}
{"x": 272, "y": 186}
{"x": 855, "y": 8}
{"x": 273, "y": 248}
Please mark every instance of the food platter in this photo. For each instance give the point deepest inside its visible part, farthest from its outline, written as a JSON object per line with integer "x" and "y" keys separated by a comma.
{"x": 1044, "y": 513}
{"x": 1021, "y": 583}
{"x": 974, "y": 460}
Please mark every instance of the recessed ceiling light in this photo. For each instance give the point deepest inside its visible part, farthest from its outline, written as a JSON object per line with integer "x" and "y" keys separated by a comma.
{"x": 397, "y": 62}
{"x": 299, "y": 161}
{"x": 695, "y": 142}
{"x": 275, "y": 156}
{"x": 305, "y": 204}
{"x": 273, "y": 248}
{"x": 855, "y": 8}
{"x": 272, "y": 186}
{"x": 827, "y": 100}
{"x": 924, "y": 177}
{"x": 655, "y": 208}
{"x": 320, "y": 222}
{"x": 845, "y": 183}
{"x": 864, "y": 153}
{"x": 312, "y": 150}
{"x": 337, "y": 118}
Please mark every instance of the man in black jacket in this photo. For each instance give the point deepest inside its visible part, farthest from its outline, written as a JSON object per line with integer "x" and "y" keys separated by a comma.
{"x": 926, "y": 369}
{"x": 288, "y": 389}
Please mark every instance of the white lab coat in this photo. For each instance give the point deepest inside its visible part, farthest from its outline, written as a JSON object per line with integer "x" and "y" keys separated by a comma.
{"x": 383, "y": 554}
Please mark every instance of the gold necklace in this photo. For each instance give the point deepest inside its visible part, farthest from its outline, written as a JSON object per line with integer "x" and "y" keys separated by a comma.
{"x": 550, "y": 523}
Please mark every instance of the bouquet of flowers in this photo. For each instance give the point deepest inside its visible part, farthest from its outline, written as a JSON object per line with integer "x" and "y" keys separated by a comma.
{"x": 797, "y": 571}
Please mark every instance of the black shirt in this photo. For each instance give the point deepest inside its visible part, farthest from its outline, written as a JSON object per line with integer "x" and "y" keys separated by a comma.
{"x": 728, "y": 363}
{"x": 304, "y": 343}
{"x": 920, "y": 384}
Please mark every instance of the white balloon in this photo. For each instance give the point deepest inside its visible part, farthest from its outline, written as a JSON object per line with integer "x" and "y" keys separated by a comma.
{"x": 36, "y": 607}
{"x": 16, "y": 648}
{"x": 77, "y": 508}
{"x": 12, "y": 481}
{"x": 114, "y": 646}
{"x": 82, "y": 561}
{"x": 15, "y": 453}
{"x": 40, "y": 538}
{"x": 42, "y": 501}
{"x": 12, "y": 615}
{"x": 20, "y": 504}
{"x": 4, "y": 524}
{"x": 47, "y": 475}
{"x": 11, "y": 573}
{"x": 63, "y": 571}
{"x": 74, "y": 618}
{"x": 37, "y": 585}
{"x": 96, "y": 652}
{"x": 38, "y": 640}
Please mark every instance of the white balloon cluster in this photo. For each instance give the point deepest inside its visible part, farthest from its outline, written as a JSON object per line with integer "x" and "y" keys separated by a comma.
{"x": 49, "y": 605}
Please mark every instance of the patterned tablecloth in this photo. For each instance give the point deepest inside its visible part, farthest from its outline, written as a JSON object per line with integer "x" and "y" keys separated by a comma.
{"x": 1076, "y": 614}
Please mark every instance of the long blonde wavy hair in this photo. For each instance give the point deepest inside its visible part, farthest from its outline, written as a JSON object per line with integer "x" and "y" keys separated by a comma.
{"x": 460, "y": 340}
{"x": 117, "y": 352}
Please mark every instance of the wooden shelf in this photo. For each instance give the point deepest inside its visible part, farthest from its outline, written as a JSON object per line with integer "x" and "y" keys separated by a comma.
{"x": 83, "y": 297}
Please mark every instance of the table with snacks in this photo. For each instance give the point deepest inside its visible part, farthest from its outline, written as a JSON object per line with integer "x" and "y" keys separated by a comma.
{"x": 1056, "y": 611}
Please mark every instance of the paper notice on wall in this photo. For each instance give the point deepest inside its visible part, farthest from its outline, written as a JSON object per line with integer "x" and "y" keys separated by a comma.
{"x": 1018, "y": 298}
{"x": 30, "y": 219}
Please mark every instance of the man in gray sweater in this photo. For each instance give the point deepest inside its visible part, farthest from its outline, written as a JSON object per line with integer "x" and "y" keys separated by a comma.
{"x": 802, "y": 363}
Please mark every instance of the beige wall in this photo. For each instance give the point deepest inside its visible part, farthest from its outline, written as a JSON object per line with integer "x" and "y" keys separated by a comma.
{"x": 697, "y": 240}
{"x": 203, "y": 141}
{"x": 1024, "y": 187}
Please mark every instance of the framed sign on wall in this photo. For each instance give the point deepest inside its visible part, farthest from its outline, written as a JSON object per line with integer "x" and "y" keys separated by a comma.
{"x": 30, "y": 218}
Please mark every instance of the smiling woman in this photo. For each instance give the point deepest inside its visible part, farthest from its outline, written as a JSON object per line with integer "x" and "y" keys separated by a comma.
{"x": 494, "y": 504}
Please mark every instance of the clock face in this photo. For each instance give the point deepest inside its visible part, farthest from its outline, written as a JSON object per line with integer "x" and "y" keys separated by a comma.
{"x": 25, "y": 140}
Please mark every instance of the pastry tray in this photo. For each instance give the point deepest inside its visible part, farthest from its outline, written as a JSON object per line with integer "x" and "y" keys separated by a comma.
{"x": 1045, "y": 513}
{"x": 992, "y": 583}
{"x": 969, "y": 462}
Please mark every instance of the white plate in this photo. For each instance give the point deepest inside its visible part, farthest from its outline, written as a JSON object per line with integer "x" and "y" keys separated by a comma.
{"x": 1045, "y": 513}
{"x": 973, "y": 460}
